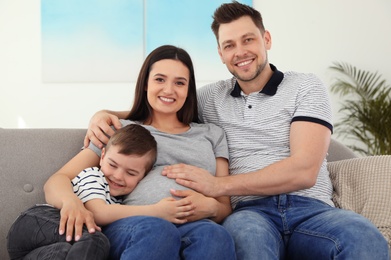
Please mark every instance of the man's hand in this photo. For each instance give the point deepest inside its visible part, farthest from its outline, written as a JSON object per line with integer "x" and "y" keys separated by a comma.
{"x": 73, "y": 217}
{"x": 99, "y": 128}
{"x": 194, "y": 178}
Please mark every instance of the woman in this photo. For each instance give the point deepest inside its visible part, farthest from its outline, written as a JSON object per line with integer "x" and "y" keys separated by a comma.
{"x": 166, "y": 104}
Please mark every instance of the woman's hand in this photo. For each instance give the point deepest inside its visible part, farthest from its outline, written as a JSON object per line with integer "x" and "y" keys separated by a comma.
{"x": 73, "y": 216}
{"x": 99, "y": 129}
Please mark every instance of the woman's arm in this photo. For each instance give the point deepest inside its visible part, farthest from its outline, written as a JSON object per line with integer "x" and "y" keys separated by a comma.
{"x": 169, "y": 209}
{"x": 100, "y": 126}
{"x": 217, "y": 209}
{"x": 59, "y": 192}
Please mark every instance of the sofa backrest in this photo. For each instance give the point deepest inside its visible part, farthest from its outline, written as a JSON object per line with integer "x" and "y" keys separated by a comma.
{"x": 29, "y": 156}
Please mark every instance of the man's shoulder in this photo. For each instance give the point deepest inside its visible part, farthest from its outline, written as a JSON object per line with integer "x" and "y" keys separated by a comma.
{"x": 304, "y": 76}
{"x": 215, "y": 87}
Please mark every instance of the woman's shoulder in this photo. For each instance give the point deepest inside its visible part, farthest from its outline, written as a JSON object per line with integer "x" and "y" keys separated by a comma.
{"x": 207, "y": 127}
{"x": 126, "y": 122}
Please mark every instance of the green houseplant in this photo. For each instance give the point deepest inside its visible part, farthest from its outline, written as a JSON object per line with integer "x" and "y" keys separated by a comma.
{"x": 365, "y": 110}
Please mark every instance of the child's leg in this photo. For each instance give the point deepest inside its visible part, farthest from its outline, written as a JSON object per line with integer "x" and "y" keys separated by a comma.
{"x": 35, "y": 233}
{"x": 34, "y": 228}
{"x": 54, "y": 251}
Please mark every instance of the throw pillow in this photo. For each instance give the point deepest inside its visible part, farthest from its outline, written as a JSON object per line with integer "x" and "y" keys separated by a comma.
{"x": 363, "y": 185}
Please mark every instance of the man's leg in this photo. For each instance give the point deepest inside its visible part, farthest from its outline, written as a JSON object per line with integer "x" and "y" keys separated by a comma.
{"x": 143, "y": 237}
{"x": 205, "y": 239}
{"x": 255, "y": 235}
{"x": 331, "y": 233}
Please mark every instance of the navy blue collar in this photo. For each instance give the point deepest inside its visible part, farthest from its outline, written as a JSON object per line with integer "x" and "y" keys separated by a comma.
{"x": 271, "y": 86}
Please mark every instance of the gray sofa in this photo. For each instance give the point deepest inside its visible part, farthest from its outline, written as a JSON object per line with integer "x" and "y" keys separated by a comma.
{"x": 30, "y": 156}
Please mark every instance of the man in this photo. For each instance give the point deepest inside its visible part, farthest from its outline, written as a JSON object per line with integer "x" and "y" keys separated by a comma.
{"x": 278, "y": 127}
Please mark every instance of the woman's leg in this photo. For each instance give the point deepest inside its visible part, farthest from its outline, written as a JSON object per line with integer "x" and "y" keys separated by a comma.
{"x": 143, "y": 237}
{"x": 204, "y": 239}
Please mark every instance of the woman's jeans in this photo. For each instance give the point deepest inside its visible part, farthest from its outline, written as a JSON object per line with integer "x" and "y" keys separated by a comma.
{"x": 143, "y": 237}
{"x": 295, "y": 227}
{"x": 34, "y": 235}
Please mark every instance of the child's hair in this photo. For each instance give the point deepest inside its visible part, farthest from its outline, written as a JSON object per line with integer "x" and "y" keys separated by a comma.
{"x": 134, "y": 139}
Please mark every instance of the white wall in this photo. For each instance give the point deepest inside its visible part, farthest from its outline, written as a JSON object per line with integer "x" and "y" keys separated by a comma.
{"x": 307, "y": 36}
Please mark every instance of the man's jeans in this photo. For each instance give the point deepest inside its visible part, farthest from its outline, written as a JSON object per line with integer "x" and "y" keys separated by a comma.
{"x": 143, "y": 237}
{"x": 297, "y": 227}
{"x": 34, "y": 235}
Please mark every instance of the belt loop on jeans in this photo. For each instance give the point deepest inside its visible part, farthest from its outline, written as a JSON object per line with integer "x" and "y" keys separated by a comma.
{"x": 282, "y": 201}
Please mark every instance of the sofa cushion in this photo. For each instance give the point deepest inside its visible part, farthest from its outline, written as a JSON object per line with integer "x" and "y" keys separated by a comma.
{"x": 363, "y": 185}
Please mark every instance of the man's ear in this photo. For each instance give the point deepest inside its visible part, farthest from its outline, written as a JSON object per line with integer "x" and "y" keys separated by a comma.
{"x": 220, "y": 54}
{"x": 268, "y": 39}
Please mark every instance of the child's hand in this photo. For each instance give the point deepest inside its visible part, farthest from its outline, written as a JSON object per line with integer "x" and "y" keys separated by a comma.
{"x": 204, "y": 207}
{"x": 73, "y": 217}
{"x": 175, "y": 211}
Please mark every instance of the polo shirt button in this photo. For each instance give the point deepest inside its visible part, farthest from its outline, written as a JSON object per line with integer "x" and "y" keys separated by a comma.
{"x": 250, "y": 106}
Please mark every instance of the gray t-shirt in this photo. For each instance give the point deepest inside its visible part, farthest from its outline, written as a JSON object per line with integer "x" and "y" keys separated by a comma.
{"x": 199, "y": 146}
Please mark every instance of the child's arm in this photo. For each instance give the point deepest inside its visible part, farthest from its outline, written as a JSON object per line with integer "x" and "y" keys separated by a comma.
{"x": 169, "y": 209}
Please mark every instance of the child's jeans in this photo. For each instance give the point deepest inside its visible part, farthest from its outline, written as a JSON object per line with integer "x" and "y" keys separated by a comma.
{"x": 34, "y": 235}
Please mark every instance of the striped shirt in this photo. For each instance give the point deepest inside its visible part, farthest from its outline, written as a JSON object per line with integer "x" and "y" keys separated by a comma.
{"x": 91, "y": 184}
{"x": 257, "y": 125}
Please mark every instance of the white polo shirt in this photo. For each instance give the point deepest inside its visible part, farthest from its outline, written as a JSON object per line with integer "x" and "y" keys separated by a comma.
{"x": 257, "y": 125}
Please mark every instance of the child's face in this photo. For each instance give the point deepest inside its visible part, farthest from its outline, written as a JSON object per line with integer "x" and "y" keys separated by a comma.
{"x": 122, "y": 172}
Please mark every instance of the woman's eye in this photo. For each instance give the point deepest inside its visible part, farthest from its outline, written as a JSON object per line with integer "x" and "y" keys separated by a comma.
{"x": 159, "y": 80}
{"x": 112, "y": 165}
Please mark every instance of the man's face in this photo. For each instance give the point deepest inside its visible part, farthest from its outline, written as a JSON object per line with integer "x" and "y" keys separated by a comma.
{"x": 243, "y": 48}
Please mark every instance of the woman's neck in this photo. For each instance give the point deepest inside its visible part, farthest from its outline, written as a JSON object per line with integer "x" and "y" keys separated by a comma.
{"x": 168, "y": 124}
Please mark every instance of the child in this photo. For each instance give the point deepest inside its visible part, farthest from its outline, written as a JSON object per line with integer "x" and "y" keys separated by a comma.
{"x": 129, "y": 155}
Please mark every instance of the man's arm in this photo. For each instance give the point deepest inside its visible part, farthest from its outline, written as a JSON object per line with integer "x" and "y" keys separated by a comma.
{"x": 99, "y": 128}
{"x": 308, "y": 144}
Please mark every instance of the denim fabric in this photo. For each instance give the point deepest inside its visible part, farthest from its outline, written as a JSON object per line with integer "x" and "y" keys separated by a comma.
{"x": 34, "y": 235}
{"x": 143, "y": 237}
{"x": 295, "y": 227}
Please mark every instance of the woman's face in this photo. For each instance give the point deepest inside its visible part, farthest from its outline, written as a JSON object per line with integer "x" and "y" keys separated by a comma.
{"x": 168, "y": 85}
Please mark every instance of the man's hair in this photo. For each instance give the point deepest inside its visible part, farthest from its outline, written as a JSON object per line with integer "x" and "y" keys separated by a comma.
{"x": 134, "y": 139}
{"x": 230, "y": 12}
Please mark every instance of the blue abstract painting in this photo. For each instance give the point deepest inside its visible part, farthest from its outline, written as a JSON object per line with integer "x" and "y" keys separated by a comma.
{"x": 107, "y": 41}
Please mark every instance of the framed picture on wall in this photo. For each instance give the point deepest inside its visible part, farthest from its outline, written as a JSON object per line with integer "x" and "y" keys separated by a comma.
{"x": 107, "y": 41}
